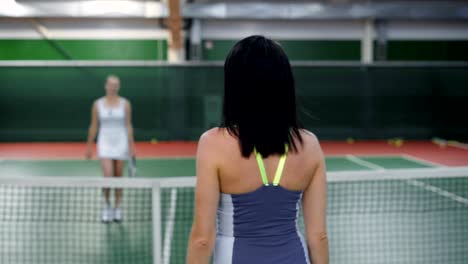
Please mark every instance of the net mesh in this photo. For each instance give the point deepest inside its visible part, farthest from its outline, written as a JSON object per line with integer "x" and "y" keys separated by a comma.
{"x": 407, "y": 216}
{"x": 63, "y": 225}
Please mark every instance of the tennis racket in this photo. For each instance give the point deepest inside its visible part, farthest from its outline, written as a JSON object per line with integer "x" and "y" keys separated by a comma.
{"x": 132, "y": 169}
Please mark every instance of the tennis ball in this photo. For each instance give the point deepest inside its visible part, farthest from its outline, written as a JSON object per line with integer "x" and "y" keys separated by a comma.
{"x": 350, "y": 140}
{"x": 154, "y": 141}
{"x": 399, "y": 142}
{"x": 439, "y": 142}
{"x": 452, "y": 143}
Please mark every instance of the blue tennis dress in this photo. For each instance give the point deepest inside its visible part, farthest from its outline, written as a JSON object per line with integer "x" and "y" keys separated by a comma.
{"x": 260, "y": 227}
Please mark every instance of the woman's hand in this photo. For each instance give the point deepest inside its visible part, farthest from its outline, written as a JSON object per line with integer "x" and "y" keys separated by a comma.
{"x": 89, "y": 152}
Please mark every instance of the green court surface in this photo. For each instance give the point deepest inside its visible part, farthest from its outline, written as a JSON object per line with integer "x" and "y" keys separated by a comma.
{"x": 146, "y": 167}
{"x": 397, "y": 162}
{"x": 172, "y": 167}
{"x": 379, "y": 221}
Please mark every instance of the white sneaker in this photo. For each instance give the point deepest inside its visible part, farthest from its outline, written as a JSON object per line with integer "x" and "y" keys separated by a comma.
{"x": 107, "y": 215}
{"x": 117, "y": 215}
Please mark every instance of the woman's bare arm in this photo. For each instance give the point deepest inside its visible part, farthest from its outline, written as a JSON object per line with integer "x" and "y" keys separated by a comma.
{"x": 314, "y": 207}
{"x": 92, "y": 130}
{"x": 203, "y": 233}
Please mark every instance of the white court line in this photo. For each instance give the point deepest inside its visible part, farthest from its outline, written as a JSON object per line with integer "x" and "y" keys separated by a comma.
{"x": 458, "y": 145}
{"x": 439, "y": 191}
{"x": 365, "y": 155}
{"x": 421, "y": 161}
{"x": 53, "y": 159}
{"x": 451, "y": 143}
{"x": 169, "y": 227}
{"x": 167, "y": 158}
{"x": 364, "y": 163}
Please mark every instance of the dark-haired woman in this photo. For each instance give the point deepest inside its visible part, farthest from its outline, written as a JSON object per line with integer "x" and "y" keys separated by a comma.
{"x": 254, "y": 171}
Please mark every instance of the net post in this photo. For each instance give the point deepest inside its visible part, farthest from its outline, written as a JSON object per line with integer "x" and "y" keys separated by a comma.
{"x": 156, "y": 211}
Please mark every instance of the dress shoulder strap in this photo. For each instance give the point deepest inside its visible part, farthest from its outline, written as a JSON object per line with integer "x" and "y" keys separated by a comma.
{"x": 279, "y": 169}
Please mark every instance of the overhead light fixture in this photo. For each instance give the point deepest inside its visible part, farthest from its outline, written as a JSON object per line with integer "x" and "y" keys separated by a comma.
{"x": 111, "y": 7}
{"x": 13, "y": 9}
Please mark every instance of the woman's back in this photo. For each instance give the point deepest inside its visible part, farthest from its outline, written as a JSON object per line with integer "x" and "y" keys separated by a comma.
{"x": 239, "y": 175}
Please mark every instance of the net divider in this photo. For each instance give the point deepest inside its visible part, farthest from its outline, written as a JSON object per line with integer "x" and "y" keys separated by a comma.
{"x": 156, "y": 218}
{"x": 169, "y": 231}
{"x": 97, "y": 182}
{"x": 158, "y": 63}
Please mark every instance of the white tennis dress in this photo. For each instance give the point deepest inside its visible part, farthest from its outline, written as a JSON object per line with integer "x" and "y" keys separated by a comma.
{"x": 112, "y": 142}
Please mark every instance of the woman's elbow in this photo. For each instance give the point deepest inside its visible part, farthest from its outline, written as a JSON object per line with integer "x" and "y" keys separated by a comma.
{"x": 319, "y": 237}
{"x": 199, "y": 250}
{"x": 202, "y": 243}
{"x": 318, "y": 241}
{"x": 318, "y": 246}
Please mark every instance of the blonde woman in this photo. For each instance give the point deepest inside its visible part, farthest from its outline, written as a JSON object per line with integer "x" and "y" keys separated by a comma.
{"x": 111, "y": 114}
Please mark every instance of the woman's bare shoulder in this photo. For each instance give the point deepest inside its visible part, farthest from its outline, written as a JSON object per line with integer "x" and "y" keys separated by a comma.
{"x": 95, "y": 102}
{"x": 217, "y": 138}
{"x": 214, "y": 144}
{"x": 309, "y": 138}
{"x": 311, "y": 144}
{"x": 211, "y": 137}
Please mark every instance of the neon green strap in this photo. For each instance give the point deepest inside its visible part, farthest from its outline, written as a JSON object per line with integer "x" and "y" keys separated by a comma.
{"x": 279, "y": 170}
{"x": 261, "y": 166}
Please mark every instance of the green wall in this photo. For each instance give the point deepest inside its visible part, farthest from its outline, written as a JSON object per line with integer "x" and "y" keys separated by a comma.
{"x": 426, "y": 50}
{"x": 397, "y": 50}
{"x": 296, "y": 49}
{"x": 115, "y": 49}
{"x": 120, "y": 49}
{"x": 179, "y": 103}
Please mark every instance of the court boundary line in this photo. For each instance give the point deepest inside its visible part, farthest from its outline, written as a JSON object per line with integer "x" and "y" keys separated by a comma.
{"x": 364, "y": 163}
{"x": 439, "y": 191}
{"x": 392, "y": 155}
{"x": 458, "y": 145}
{"x": 169, "y": 231}
{"x": 94, "y": 159}
{"x": 413, "y": 182}
{"x": 450, "y": 143}
{"x": 430, "y": 187}
{"x": 421, "y": 161}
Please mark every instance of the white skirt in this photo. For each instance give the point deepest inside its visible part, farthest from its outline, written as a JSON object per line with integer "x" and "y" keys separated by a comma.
{"x": 112, "y": 145}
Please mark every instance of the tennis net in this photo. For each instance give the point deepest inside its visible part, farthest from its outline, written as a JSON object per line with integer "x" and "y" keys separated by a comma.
{"x": 394, "y": 216}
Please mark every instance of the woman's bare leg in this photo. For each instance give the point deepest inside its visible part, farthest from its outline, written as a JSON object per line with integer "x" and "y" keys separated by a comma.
{"x": 118, "y": 171}
{"x": 108, "y": 171}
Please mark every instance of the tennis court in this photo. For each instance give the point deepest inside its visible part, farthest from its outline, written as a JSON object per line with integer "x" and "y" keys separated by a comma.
{"x": 407, "y": 219}
{"x": 382, "y": 84}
